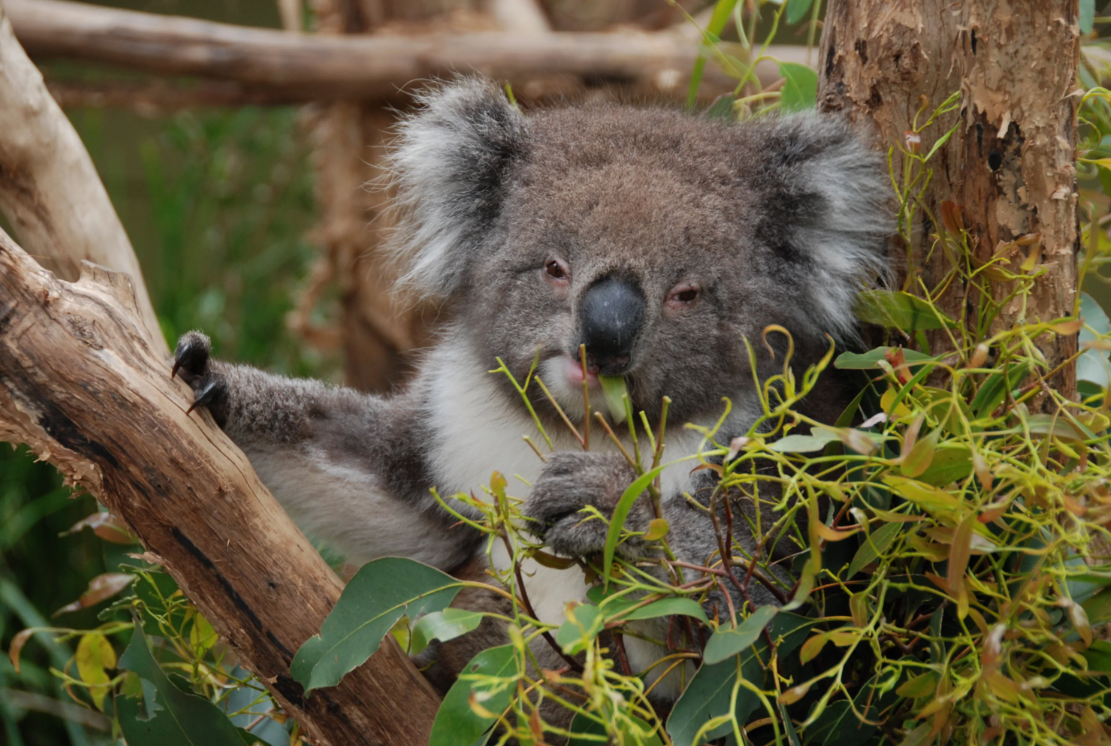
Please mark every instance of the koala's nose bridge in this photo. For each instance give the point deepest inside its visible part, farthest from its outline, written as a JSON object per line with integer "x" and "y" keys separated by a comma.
{"x": 611, "y": 317}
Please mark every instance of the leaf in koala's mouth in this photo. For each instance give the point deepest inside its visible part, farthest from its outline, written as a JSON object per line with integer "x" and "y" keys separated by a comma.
{"x": 613, "y": 388}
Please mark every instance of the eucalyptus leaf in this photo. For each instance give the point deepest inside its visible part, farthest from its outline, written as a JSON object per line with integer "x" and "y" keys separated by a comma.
{"x": 614, "y": 392}
{"x": 710, "y": 692}
{"x": 797, "y": 10}
{"x": 800, "y": 91}
{"x": 872, "y": 547}
{"x": 584, "y": 726}
{"x": 726, "y": 642}
{"x": 443, "y": 626}
{"x": 615, "y": 607}
{"x": 722, "y": 109}
{"x": 1087, "y": 16}
{"x": 379, "y": 594}
{"x": 179, "y": 719}
{"x": 1092, "y": 365}
{"x": 900, "y": 310}
{"x": 871, "y": 360}
{"x": 620, "y": 513}
{"x": 578, "y": 632}
{"x": 815, "y": 441}
{"x": 457, "y": 723}
{"x": 995, "y": 387}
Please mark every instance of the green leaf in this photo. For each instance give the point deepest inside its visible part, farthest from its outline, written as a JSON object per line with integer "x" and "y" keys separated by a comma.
{"x": 900, "y": 310}
{"x": 1087, "y": 16}
{"x": 95, "y": 657}
{"x": 797, "y": 10}
{"x": 952, "y": 462}
{"x": 615, "y": 607}
{"x": 874, "y": 545}
{"x": 923, "y": 685}
{"x": 871, "y": 360}
{"x": 709, "y": 695}
{"x": 620, "y": 513}
{"x": 1092, "y": 364}
{"x": 722, "y": 10}
{"x": 489, "y": 678}
{"x": 995, "y": 387}
{"x": 443, "y": 626}
{"x": 585, "y": 726}
{"x": 722, "y": 108}
{"x": 838, "y": 725}
{"x": 379, "y": 594}
{"x": 727, "y": 642}
{"x": 614, "y": 392}
{"x": 921, "y": 494}
{"x": 578, "y": 632}
{"x": 801, "y": 89}
{"x": 180, "y": 719}
{"x": 816, "y": 441}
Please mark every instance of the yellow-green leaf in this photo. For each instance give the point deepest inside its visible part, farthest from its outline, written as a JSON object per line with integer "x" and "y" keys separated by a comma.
{"x": 95, "y": 656}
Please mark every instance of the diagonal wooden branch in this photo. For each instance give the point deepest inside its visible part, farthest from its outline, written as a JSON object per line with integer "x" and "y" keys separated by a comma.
{"x": 82, "y": 385}
{"x": 282, "y": 66}
{"x": 49, "y": 188}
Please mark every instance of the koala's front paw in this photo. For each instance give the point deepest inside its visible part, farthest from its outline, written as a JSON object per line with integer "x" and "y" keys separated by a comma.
{"x": 192, "y": 362}
{"x": 571, "y": 481}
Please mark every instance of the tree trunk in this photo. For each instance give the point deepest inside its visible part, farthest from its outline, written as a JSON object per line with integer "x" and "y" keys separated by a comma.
{"x": 1008, "y": 166}
{"x": 81, "y": 384}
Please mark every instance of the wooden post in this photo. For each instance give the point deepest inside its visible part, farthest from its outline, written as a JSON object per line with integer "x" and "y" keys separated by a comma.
{"x": 1009, "y": 165}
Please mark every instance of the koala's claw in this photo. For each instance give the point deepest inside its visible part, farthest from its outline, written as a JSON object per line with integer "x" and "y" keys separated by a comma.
{"x": 570, "y": 482}
{"x": 208, "y": 393}
{"x": 191, "y": 356}
{"x": 191, "y": 360}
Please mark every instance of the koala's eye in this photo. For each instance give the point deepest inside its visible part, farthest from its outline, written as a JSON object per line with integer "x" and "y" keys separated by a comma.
{"x": 682, "y": 295}
{"x": 555, "y": 270}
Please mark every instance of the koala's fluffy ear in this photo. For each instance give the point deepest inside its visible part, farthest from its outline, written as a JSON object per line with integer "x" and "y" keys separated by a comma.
{"x": 828, "y": 213}
{"x": 449, "y": 167}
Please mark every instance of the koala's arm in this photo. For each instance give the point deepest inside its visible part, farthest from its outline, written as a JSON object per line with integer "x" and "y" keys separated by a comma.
{"x": 572, "y": 481}
{"x": 348, "y": 467}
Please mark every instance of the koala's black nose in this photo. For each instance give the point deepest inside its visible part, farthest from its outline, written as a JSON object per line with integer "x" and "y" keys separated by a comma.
{"x": 611, "y": 317}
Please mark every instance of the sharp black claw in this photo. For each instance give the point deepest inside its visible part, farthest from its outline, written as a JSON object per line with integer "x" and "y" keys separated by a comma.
{"x": 205, "y": 395}
{"x": 177, "y": 364}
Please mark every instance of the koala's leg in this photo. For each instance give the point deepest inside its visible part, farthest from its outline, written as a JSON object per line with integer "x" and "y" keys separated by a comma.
{"x": 348, "y": 467}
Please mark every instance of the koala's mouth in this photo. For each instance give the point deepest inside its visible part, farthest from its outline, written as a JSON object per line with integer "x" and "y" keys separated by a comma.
{"x": 564, "y": 375}
{"x": 574, "y": 372}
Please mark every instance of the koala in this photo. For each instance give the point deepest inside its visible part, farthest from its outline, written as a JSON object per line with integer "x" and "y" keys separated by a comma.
{"x": 659, "y": 240}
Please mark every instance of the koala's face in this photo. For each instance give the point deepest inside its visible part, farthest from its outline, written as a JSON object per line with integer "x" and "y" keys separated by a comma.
{"x": 657, "y": 240}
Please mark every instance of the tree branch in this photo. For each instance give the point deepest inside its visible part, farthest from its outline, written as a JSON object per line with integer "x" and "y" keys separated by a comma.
{"x": 82, "y": 385}
{"x": 311, "y": 67}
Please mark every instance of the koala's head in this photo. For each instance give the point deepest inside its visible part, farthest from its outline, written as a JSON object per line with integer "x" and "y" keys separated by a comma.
{"x": 658, "y": 239}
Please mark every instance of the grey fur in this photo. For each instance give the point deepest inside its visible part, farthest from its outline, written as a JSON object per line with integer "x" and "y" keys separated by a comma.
{"x": 779, "y": 221}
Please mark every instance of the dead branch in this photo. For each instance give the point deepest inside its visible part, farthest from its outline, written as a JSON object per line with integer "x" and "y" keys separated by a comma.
{"x": 311, "y": 67}
{"x": 81, "y": 383}
{"x": 49, "y": 188}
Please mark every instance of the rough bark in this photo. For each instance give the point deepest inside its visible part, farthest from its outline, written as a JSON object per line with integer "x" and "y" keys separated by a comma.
{"x": 82, "y": 385}
{"x": 1009, "y": 165}
{"x": 310, "y": 67}
{"x": 49, "y": 188}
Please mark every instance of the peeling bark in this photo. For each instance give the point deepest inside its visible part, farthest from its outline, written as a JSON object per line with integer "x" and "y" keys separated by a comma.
{"x": 1009, "y": 165}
